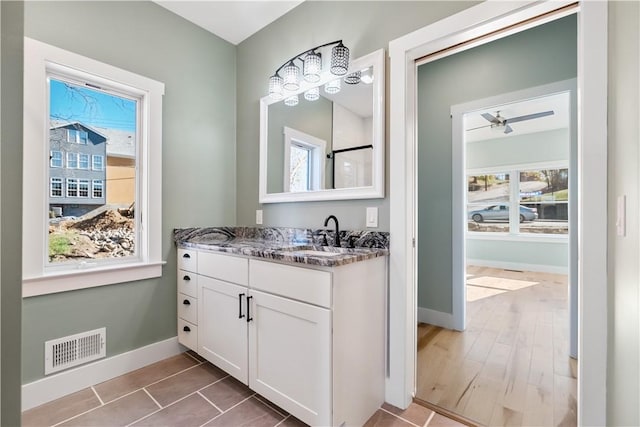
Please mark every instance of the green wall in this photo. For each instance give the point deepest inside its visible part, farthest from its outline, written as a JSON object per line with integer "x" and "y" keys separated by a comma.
{"x": 11, "y": 40}
{"x": 198, "y": 167}
{"x": 538, "y": 56}
{"x": 364, "y": 27}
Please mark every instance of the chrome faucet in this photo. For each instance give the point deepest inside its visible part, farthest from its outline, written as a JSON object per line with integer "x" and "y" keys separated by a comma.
{"x": 336, "y": 241}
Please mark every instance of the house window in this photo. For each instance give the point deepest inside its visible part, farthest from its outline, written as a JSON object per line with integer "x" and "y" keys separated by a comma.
{"x": 72, "y": 160}
{"x": 55, "y": 187}
{"x": 56, "y": 159}
{"x": 97, "y": 189}
{"x": 304, "y": 161}
{"x": 83, "y": 188}
{"x": 83, "y": 161}
{"x": 98, "y": 163}
{"x": 133, "y": 105}
{"x": 72, "y": 187}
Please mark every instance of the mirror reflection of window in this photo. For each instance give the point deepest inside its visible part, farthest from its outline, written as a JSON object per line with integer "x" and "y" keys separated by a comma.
{"x": 299, "y": 179}
{"x": 304, "y": 161}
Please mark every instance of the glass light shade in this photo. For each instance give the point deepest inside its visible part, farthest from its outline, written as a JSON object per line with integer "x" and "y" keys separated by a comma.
{"x": 275, "y": 87}
{"x": 312, "y": 94}
{"x": 291, "y": 77}
{"x": 353, "y": 78}
{"x": 291, "y": 101}
{"x": 339, "y": 60}
{"x": 332, "y": 87}
{"x": 312, "y": 66}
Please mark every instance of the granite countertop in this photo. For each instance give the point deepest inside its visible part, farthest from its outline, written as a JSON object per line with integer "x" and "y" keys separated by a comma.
{"x": 301, "y": 246}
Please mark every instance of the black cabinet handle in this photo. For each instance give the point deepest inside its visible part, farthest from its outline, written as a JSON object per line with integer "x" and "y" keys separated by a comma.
{"x": 186, "y": 256}
{"x": 186, "y": 278}
{"x": 240, "y": 315}
{"x": 186, "y": 302}
{"x": 186, "y": 329}
{"x": 249, "y": 318}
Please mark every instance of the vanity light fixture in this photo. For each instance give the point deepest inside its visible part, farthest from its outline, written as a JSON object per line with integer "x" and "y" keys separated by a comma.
{"x": 332, "y": 87}
{"x": 353, "y": 78}
{"x": 312, "y": 94}
{"x": 291, "y": 101}
{"x": 311, "y": 61}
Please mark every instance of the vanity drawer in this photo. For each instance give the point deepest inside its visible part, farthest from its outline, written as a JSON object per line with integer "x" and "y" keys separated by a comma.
{"x": 188, "y": 283}
{"x": 188, "y": 308}
{"x": 188, "y": 334}
{"x": 188, "y": 260}
{"x": 224, "y": 267}
{"x": 303, "y": 284}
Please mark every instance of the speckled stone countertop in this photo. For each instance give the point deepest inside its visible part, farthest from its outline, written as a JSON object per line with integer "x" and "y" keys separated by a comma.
{"x": 294, "y": 245}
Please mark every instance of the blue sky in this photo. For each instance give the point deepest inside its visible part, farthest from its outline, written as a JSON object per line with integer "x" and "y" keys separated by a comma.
{"x": 91, "y": 107}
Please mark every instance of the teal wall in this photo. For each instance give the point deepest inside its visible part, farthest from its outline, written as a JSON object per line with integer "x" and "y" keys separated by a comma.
{"x": 198, "y": 167}
{"x": 11, "y": 40}
{"x": 538, "y": 56}
{"x": 364, "y": 27}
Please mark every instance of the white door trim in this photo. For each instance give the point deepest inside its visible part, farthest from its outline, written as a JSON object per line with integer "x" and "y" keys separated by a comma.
{"x": 470, "y": 24}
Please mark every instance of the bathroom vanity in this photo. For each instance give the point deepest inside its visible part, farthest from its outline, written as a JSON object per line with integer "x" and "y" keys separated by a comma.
{"x": 301, "y": 324}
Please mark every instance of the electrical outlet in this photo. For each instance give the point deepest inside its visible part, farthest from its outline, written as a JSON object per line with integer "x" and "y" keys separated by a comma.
{"x": 258, "y": 216}
{"x": 372, "y": 217}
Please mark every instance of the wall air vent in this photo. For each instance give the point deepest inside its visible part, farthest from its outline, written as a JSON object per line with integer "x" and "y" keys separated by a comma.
{"x": 74, "y": 350}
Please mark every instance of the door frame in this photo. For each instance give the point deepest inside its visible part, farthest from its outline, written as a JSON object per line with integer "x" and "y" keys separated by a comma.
{"x": 472, "y": 26}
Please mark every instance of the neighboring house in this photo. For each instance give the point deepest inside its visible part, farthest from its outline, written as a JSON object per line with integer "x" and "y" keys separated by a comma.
{"x": 77, "y": 169}
{"x": 121, "y": 166}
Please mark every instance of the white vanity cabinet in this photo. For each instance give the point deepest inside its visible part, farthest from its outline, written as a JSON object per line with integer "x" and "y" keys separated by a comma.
{"x": 188, "y": 298}
{"x": 309, "y": 339}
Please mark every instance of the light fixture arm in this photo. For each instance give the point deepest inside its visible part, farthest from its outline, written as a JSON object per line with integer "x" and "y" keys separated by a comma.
{"x": 301, "y": 54}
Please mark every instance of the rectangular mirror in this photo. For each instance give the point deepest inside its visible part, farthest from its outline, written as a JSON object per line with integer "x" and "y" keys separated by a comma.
{"x": 330, "y": 148}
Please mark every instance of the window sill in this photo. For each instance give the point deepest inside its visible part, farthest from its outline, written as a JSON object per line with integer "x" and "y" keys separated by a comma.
{"x": 521, "y": 237}
{"x": 89, "y": 278}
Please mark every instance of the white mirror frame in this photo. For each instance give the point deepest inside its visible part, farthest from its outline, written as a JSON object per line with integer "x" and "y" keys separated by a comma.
{"x": 376, "y": 190}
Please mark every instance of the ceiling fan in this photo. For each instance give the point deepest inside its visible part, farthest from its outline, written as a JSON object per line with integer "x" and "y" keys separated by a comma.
{"x": 498, "y": 121}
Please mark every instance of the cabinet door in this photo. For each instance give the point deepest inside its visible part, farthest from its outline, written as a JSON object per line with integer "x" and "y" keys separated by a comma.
{"x": 290, "y": 356}
{"x": 222, "y": 326}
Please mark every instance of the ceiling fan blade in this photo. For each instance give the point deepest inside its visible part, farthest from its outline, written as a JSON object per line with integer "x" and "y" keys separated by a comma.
{"x": 490, "y": 118}
{"x": 479, "y": 127}
{"x": 530, "y": 116}
{"x": 507, "y": 129}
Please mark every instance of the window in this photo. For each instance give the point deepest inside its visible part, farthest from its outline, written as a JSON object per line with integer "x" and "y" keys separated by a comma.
{"x": 72, "y": 160}
{"x": 488, "y": 202}
{"x": 304, "y": 161}
{"x": 83, "y": 161}
{"x": 56, "y": 159}
{"x": 97, "y": 189}
{"x": 98, "y": 163}
{"x": 49, "y": 74}
{"x": 545, "y": 193}
{"x": 72, "y": 187}
{"x": 55, "y": 187}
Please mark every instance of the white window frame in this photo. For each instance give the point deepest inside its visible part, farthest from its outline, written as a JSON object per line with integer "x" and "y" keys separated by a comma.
{"x": 72, "y": 192}
{"x": 94, "y": 185}
{"x": 40, "y": 277}
{"x": 52, "y": 158}
{"x": 58, "y": 180}
{"x": 93, "y": 162}
{"x": 84, "y": 182}
{"x": 317, "y": 150}
{"x": 80, "y": 161}
{"x": 72, "y": 158}
{"x": 77, "y": 139}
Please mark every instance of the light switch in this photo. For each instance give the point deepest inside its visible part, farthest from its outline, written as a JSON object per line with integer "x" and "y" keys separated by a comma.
{"x": 372, "y": 217}
{"x": 258, "y": 216}
{"x": 621, "y": 216}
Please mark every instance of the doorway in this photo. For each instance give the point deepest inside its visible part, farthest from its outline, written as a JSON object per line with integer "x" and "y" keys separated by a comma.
{"x": 476, "y": 25}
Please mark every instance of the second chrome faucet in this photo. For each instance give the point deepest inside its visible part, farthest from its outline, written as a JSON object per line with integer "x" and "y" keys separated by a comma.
{"x": 336, "y": 241}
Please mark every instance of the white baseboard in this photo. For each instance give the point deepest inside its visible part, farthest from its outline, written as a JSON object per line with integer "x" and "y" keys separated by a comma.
{"x": 518, "y": 266}
{"x": 436, "y": 318}
{"x": 67, "y": 382}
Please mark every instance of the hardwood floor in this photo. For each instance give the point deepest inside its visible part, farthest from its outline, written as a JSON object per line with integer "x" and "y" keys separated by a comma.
{"x": 511, "y": 366}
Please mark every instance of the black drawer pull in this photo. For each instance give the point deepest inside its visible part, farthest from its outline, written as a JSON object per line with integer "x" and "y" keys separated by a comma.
{"x": 186, "y": 302}
{"x": 186, "y": 329}
{"x": 186, "y": 278}
{"x": 249, "y": 318}
{"x": 186, "y": 256}
{"x": 240, "y": 315}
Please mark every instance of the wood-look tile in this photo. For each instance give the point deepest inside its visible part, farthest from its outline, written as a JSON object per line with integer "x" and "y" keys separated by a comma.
{"x": 441, "y": 421}
{"x": 190, "y": 411}
{"x": 384, "y": 419}
{"x": 251, "y": 412}
{"x": 120, "y": 412}
{"x": 119, "y": 386}
{"x": 292, "y": 421}
{"x": 178, "y": 386}
{"x": 414, "y": 413}
{"x": 61, "y": 409}
{"x": 226, "y": 393}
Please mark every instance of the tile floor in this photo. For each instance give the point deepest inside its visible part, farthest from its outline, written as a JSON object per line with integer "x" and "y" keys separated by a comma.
{"x": 185, "y": 390}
